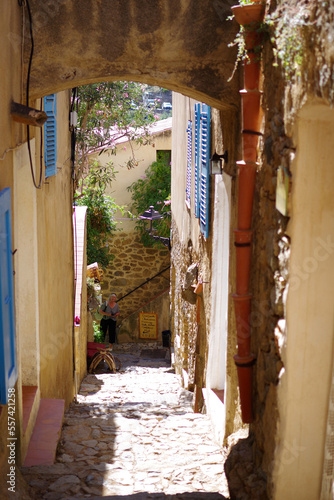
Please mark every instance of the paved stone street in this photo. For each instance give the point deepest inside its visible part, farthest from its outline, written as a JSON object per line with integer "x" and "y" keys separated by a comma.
{"x": 133, "y": 432}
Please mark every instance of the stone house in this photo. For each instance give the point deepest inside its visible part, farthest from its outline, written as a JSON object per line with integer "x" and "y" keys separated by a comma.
{"x": 200, "y": 275}
{"x": 289, "y": 452}
{"x": 133, "y": 263}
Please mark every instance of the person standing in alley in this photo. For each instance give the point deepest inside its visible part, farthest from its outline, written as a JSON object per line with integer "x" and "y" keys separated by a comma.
{"x": 110, "y": 311}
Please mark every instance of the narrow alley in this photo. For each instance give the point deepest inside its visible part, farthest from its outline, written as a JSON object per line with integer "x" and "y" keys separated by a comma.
{"x": 133, "y": 433}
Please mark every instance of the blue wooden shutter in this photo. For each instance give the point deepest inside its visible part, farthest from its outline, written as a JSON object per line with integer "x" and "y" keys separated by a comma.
{"x": 50, "y": 135}
{"x": 197, "y": 156}
{"x": 189, "y": 151}
{"x": 8, "y": 365}
{"x": 205, "y": 174}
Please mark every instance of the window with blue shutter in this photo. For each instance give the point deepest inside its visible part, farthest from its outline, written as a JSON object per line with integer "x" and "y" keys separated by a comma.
{"x": 8, "y": 365}
{"x": 50, "y": 135}
{"x": 197, "y": 156}
{"x": 189, "y": 155}
{"x": 205, "y": 174}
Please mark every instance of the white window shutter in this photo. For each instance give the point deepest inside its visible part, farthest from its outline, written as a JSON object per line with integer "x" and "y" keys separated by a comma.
{"x": 189, "y": 158}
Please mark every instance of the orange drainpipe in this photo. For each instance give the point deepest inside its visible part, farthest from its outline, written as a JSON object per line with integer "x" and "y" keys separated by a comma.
{"x": 247, "y": 15}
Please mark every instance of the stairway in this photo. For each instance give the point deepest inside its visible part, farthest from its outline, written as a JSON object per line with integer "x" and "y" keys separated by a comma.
{"x": 45, "y": 436}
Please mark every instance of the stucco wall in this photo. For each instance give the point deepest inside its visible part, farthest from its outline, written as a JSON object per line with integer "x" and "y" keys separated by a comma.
{"x": 55, "y": 265}
{"x": 11, "y": 135}
{"x": 145, "y": 155}
{"x": 152, "y": 42}
{"x": 307, "y": 341}
{"x": 42, "y": 243}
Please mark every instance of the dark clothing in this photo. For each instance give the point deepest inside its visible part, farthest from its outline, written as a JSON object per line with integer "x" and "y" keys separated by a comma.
{"x": 109, "y": 324}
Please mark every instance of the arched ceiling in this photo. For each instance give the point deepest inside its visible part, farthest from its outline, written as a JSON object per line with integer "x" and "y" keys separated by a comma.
{"x": 181, "y": 45}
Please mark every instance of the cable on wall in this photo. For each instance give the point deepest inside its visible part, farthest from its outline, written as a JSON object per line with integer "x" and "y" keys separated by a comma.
{"x": 25, "y": 3}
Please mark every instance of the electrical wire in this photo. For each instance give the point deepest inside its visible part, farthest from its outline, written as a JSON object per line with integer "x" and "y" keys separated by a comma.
{"x": 23, "y": 3}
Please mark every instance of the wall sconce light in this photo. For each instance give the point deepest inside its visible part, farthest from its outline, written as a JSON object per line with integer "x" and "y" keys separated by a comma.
{"x": 217, "y": 163}
{"x": 152, "y": 215}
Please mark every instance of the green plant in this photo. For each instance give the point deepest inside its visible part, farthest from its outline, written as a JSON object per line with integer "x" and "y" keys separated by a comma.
{"x": 98, "y": 335}
{"x": 107, "y": 111}
{"x": 290, "y": 21}
{"x": 260, "y": 28}
{"x": 91, "y": 293}
{"x": 153, "y": 189}
{"x": 100, "y": 213}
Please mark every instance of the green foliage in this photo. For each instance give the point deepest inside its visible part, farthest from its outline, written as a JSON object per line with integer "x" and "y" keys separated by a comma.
{"x": 239, "y": 41}
{"x": 90, "y": 287}
{"x": 290, "y": 22}
{"x": 106, "y": 112}
{"x": 153, "y": 189}
{"x": 98, "y": 335}
{"x": 100, "y": 214}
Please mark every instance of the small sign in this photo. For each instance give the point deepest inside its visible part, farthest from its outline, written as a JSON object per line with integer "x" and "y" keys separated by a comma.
{"x": 282, "y": 190}
{"x": 148, "y": 326}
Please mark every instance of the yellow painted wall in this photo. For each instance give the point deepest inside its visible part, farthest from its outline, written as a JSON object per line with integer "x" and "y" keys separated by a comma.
{"x": 145, "y": 155}
{"x": 11, "y": 135}
{"x": 43, "y": 244}
{"x": 55, "y": 265}
{"x": 307, "y": 344}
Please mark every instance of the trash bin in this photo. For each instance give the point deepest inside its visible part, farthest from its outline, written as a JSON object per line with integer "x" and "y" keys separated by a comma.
{"x": 166, "y": 335}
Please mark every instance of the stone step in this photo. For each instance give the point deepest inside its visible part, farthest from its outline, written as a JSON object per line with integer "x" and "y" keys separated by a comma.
{"x": 44, "y": 440}
{"x": 28, "y": 401}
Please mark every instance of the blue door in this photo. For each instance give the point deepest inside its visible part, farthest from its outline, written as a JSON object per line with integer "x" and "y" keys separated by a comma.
{"x": 8, "y": 366}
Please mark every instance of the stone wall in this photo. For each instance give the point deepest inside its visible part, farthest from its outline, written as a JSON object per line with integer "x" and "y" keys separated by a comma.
{"x": 272, "y": 246}
{"x": 132, "y": 266}
{"x": 191, "y": 323}
{"x": 205, "y": 335}
{"x": 129, "y": 328}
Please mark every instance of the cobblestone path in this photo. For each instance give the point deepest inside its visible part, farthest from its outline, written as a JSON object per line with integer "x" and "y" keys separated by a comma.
{"x": 131, "y": 432}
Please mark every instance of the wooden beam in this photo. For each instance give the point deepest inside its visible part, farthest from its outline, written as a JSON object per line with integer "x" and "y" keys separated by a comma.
{"x": 30, "y": 116}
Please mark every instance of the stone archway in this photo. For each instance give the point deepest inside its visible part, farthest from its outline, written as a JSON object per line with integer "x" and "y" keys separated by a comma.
{"x": 178, "y": 44}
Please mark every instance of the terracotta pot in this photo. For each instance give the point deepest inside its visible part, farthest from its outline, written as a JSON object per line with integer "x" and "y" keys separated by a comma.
{"x": 249, "y": 14}
{"x": 243, "y": 251}
{"x": 247, "y": 177}
{"x": 249, "y": 147}
{"x": 251, "y": 110}
{"x": 242, "y": 306}
{"x": 252, "y": 72}
{"x": 245, "y": 369}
